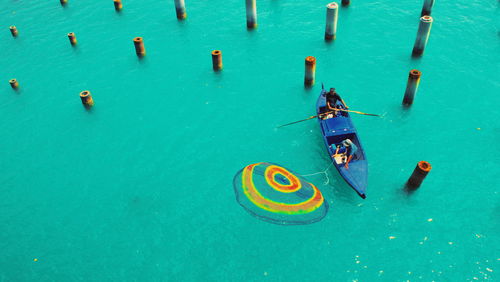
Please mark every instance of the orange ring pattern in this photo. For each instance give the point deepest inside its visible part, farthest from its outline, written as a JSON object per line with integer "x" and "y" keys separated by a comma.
{"x": 270, "y": 174}
{"x": 253, "y": 194}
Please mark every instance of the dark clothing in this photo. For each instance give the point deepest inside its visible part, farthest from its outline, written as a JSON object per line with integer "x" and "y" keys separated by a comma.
{"x": 332, "y": 97}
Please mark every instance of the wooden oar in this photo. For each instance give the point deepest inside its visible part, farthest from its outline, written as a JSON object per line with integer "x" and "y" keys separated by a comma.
{"x": 325, "y": 113}
{"x": 356, "y": 112}
{"x": 311, "y": 117}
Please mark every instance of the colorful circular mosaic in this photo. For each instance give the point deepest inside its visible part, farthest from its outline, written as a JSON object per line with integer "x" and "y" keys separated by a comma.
{"x": 275, "y": 194}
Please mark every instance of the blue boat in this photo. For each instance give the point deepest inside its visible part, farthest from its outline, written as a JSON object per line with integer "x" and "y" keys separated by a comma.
{"x": 336, "y": 128}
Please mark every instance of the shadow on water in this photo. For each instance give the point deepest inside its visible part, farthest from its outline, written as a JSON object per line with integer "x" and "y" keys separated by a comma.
{"x": 405, "y": 108}
{"x": 76, "y": 49}
{"x": 328, "y": 44}
{"x": 414, "y": 58}
{"x": 88, "y": 109}
{"x": 398, "y": 112}
{"x": 407, "y": 190}
{"x": 142, "y": 59}
{"x": 182, "y": 23}
{"x": 218, "y": 76}
{"x": 404, "y": 111}
{"x": 217, "y": 73}
{"x": 308, "y": 88}
{"x": 251, "y": 33}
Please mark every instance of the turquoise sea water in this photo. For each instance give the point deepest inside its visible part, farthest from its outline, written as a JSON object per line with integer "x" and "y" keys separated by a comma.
{"x": 140, "y": 188}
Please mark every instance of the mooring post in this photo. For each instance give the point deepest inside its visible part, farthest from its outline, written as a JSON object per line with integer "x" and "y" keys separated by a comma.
{"x": 14, "y": 83}
{"x": 427, "y": 8}
{"x": 118, "y": 5}
{"x": 418, "y": 175}
{"x": 411, "y": 87}
{"x": 72, "y": 38}
{"x": 87, "y": 100}
{"x": 310, "y": 71}
{"x": 139, "y": 47}
{"x": 217, "y": 60}
{"x": 180, "y": 9}
{"x": 424, "y": 29}
{"x": 13, "y": 30}
{"x": 63, "y": 2}
{"x": 346, "y": 2}
{"x": 251, "y": 13}
{"x": 332, "y": 12}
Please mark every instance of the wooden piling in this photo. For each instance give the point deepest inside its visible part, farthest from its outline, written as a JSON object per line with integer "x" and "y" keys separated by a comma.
{"x": 72, "y": 38}
{"x": 418, "y": 175}
{"x": 251, "y": 6}
{"x": 411, "y": 87}
{"x": 139, "y": 47}
{"x": 118, "y": 5}
{"x": 87, "y": 100}
{"x": 14, "y": 83}
{"x": 180, "y": 9}
{"x": 427, "y": 8}
{"x": 310, "y": 73}
{"x": 332, "y": 12}
{"x": 217, "y": 60}
{"x": 346, "y": 2}
{"x": 424, "y": 29}
{"x": 13, "y": 30}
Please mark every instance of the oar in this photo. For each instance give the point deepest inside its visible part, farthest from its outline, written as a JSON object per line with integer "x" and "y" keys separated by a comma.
{"x": 356, "y": 112}
{"x": 311, "y": 117}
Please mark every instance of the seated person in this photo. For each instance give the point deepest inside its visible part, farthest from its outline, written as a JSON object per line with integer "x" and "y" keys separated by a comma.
{"x": 331, "y": 100}
{"x": 340, "y": 154}
{"x": 345, "y": 152}
{"x": 351, "y": 150}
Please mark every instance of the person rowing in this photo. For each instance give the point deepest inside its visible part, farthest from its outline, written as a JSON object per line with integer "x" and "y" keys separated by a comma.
{"x": 332, "y": 97}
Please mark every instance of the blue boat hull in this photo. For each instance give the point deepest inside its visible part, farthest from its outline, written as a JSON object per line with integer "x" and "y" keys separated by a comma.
{"x": 335, "y": 130}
